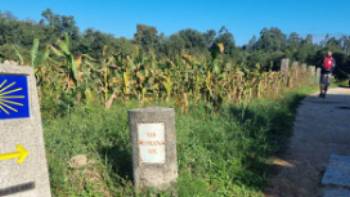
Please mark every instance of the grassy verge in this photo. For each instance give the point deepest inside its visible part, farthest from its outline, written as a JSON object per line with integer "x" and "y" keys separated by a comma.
{"x": 342, "y": 83}
{"x": 223, "y": 154}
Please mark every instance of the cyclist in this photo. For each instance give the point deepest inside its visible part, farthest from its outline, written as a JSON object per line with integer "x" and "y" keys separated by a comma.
{"x": 326, "y": 71}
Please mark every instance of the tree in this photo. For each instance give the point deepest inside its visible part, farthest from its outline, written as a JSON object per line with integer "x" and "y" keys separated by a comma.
{"x": 272, "y": 39}
{"x": 93, "y": 42}
{"x": 173, "y": 46}
{"x": 209, "y": 37}
{"x": 147, "y": 37}
{"x": 345, "y": 44}
{"x": 333, "y": 44}
{"x": 193, "y": 40}
{"x": 57, "y": 26}
{"x": 251, "y": 44}
{"x": 294, "y": 41}
{"x": 226, "y": 38}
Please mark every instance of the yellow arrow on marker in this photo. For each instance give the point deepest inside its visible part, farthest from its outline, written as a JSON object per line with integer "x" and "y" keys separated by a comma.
{"x": 20, "y": 154}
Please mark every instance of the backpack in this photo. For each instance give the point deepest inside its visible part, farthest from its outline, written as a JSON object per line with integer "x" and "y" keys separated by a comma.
{"x": 328, "y": 63}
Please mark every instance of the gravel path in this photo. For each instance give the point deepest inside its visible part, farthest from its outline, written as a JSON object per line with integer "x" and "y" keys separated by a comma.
{"x": 322, "y": 127}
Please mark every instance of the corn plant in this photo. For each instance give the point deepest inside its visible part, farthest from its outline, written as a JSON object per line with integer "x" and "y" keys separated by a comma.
{"x": 145, "y": 77}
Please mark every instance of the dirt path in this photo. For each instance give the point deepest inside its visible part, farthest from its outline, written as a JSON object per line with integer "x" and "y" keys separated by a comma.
{"x": 322, "y": 127}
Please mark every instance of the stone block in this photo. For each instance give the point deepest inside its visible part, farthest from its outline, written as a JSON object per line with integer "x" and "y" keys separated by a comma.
{"x": 23, "y": 165}
{"x": 154, "y": 147}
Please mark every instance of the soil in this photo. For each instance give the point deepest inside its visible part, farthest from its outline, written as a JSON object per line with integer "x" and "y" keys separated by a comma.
{"x": 322, "y": 127}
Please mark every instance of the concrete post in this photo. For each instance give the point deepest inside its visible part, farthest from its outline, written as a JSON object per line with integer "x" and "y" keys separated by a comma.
{"x": 285, "y": 70}
{"x": 312, "y": 70}
{"x": 304, "y": 67}
{"x": 318, "y": 74}
{"x": 285, "y": 65}
{"x": 294, "y": 74}
{"x": 154, "y": 147}
{"x": 312, "y": 74}
{"x": 23, "y": 166}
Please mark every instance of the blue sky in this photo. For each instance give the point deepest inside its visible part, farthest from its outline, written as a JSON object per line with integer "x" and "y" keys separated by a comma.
{"x": 244, "y": 18}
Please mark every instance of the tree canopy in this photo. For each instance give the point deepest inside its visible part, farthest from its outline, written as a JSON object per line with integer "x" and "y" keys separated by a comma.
{"x": 266, "y": 49}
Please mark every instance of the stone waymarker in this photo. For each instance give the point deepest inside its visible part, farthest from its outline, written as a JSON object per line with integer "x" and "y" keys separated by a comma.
{"x": 312, "y": 70}
{"x": 23, "y": 167}
{"x": 318, "y": 74}
{"x": 154, "y": 147}
{"x": 285, "y": 65}
{"x": 304, "y": 67}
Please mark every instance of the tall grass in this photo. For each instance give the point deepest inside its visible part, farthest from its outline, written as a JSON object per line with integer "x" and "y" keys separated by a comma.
{"x": 219, "y": 154}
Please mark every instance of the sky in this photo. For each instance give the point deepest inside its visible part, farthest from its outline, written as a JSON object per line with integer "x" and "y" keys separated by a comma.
{"x": 244, "y": 18}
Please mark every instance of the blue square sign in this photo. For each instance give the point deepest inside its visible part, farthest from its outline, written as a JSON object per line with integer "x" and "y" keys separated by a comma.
{"x": 14, "y": 101}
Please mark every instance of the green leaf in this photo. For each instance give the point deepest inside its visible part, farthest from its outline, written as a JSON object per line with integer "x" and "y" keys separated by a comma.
{"x": 74, "y": 67}
{"x": 19, "y": 56}
{"x": 56, "y": 51}
{"x": 34, "y": 52}
{"x": 45, "y": 56}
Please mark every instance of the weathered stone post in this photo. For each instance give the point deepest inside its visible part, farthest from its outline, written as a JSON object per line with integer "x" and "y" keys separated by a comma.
{"x": 153, "y": 139}
{"x": 23, "y": 167}
{"x": 312, "y": 70}
{"x": 294, "y": 74}
{"x": 296, "y": 68}
{"x": 318, "y": 75}
{"x": 304, "y": 67}
{"x": 285, "y": 65}
{"x": 285, "y": 70}
{"x": 312, "y": 74}
{"x": 303, "y": 75}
